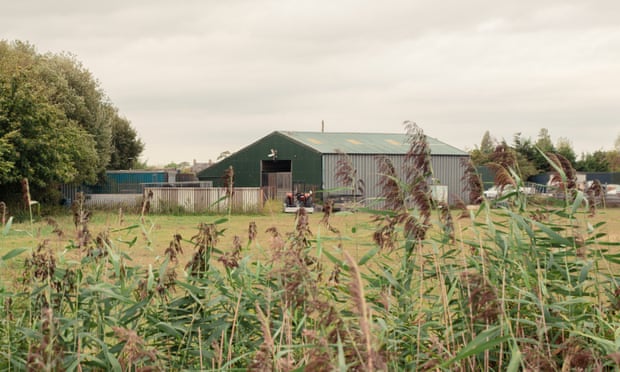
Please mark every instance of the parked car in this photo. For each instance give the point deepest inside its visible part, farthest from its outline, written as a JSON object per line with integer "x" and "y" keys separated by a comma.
{"x": 612, "y": 189}
{"x": 495, "y": 192}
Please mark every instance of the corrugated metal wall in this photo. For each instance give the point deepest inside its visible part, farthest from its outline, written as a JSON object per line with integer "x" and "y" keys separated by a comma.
{"x": 447, "y": 171}
{"x": 245, "y": 199}
{"x": 127, "y": 182}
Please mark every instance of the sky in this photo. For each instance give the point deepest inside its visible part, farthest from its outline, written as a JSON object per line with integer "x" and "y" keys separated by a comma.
{"x": 197, "y": 78}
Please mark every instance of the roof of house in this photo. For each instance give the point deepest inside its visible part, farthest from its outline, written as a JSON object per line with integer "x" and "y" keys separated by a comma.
{"x": 366, "y": 143}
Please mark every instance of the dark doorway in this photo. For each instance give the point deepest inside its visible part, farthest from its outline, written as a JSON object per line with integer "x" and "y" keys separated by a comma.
{"x": 276, "y": 178}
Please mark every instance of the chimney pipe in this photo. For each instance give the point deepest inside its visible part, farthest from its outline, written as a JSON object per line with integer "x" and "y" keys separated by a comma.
{"x": 322, "y": 126}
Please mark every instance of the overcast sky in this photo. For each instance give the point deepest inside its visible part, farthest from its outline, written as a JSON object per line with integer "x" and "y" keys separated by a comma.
{"x": 200, "y": 77}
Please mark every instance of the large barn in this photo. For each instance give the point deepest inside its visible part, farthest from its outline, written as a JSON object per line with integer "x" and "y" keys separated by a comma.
{"x": 285, "y": 161}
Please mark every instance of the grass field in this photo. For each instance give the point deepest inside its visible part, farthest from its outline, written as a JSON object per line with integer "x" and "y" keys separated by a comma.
{"x": 154, "y": 233}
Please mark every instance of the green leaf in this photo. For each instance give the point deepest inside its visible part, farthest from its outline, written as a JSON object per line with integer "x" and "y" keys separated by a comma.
{"x": 111, "y": 359}
{"x": 515, "y": 360}
{"x": 608, "y": 345}
{"x": 332, "y": 258}
{"x": 484, "y": 341}
{"x": 556, "y": 238}
{"x": 7, "y": 227}
{"x": 370, "y": 254}
{"x": 169, "y": 330}
{"x": 583, "y": 275}
{"x": 342, "y": 364}
{"x": 150, "y": 279}
{"x": 135, "y": 226}
{"x": 108, "y": 291}
{"x": 615, "y": 258}
{"x": 190, "y": 288}
{"x": 15, "y": 252}
{"x": 577, "y": 202}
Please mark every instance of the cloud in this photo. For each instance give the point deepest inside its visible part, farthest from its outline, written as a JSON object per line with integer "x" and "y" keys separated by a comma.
{"x": 197, "y": 78}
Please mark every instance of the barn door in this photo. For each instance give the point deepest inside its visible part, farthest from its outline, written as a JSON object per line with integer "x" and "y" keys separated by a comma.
{"x": 277, "y": 178}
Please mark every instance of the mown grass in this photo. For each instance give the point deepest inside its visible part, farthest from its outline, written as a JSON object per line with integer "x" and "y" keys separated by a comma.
{"x": 154, "y": 233}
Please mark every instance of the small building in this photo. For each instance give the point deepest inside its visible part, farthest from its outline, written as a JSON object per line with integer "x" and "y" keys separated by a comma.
{"x": 131, "y": 181}
{"x": 285, "y": 161}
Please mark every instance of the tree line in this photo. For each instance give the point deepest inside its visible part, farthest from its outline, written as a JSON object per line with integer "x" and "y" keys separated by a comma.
{"x": 57, "y": 126}
{"x": 530, "y": 158}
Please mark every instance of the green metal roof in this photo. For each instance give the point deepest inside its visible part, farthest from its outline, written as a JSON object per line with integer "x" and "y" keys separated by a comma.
{"x": 366, "y": 143}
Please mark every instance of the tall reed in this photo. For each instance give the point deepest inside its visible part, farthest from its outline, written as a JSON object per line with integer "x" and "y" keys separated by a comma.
{"x": 516, "y": 286}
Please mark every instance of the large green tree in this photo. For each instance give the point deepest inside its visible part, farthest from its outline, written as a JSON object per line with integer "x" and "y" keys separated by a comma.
{"x": 76, "y": 92}
{"x": 56, "y": 124}
{"x": 46, "y": 147}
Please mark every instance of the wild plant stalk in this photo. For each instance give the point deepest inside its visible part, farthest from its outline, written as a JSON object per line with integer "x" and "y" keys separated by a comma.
{"x": 3, "y": 211}
{"x": 472, "y": 181}
{"x": 147, "y": 198}
{"x": 421, "y": 308}
{"x": 356, "y": 289}
{"x": 346, "y": 175}
{"x": 418, "y": 170}
{"x": 232, "y": 329}
{"x": 229, "y": 183}
{"x": 28, "y": 201}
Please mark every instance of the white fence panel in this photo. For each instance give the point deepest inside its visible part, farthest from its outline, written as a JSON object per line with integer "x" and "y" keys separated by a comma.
{"x": 192, "y": 200}
{"x": 210, "y": 199}
{"x": 113, "y": 200}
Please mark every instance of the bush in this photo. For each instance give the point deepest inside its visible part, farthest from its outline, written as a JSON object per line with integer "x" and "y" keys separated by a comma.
{"x": 272, "y": 206}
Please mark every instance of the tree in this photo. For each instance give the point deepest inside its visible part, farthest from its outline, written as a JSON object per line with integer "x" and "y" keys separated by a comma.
{"x": 183, "y": 166}
{"x": 544, "y": 142}
{"x": 593, "y": 162}
{"x": 75, "y": 91}
{"x": 51, "y": 99}
{"x": 565, "y": 148}
{"x": 487, "y": 143}
{"x": 613, "y": 159}
{"x": 29, "y": 127}
{"x": 6, "y": 148}
{"x": 126, "y": 146}
{"x": 482, "y": 155}
{"x": 613, "y": 156}
{"x": 544, "y": 145}
{"x": 526, "y": 156}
